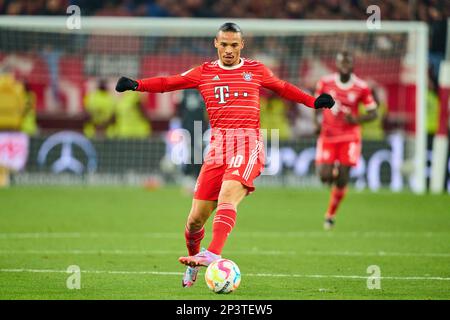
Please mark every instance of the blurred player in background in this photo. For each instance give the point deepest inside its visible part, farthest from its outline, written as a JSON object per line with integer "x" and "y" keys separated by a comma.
{"x": 230, "y": 87}
{"x": 191, "y": 110}
{"x": 339, "y": 143}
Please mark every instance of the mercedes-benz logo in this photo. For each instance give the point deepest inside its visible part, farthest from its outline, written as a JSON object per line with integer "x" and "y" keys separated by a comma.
{"x": 67, "y": 161}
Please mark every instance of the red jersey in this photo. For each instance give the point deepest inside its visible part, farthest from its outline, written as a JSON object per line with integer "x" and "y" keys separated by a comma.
{"x": 231, "y": 95}
{"x": 347, "y": 96}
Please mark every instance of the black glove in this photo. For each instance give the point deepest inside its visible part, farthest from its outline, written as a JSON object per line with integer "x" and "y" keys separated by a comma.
{"x": 124, "y": 84}
{"x": 324, "y": 101}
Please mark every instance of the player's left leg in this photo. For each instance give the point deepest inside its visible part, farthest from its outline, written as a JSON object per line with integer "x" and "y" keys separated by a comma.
{"x": 237, "y": 183}
{"x": 338, "y": 192}
{"x": 349, "y": 153}
{"x": 231, "y": 194}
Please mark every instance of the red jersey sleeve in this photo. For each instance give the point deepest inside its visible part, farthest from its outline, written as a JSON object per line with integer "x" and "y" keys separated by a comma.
{"x": 367, "y": 99}
{"x": 285, "y": 89}
{"x": 186, "y": 80}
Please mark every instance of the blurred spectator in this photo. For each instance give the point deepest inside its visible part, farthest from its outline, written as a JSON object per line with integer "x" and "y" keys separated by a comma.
{"x": 29, "y": 123}
{"x": 438, "y": 34}
{"x": 114, "y": 8}
{"x": 432, "y": 107}
{"x": 52, "y": 56}
{"x": 12, "y": 103}
{"x": 274, "y": 115}
{"x": 99, "y": 104}
{"x": 131, "y": 119}
{"x": 191, "y": 111}
{"x": 373, "y": 130}
{"x": 3, "y": 6}
{"x": 53, "y": 8}
{"x": 304, "y": 122}
{"x": 158, "y": 8}
{"x": 12, "y": 106}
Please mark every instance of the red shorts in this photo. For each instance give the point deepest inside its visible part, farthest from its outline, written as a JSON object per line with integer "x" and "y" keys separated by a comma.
{"x": 346, "y": 153}
{"x": 239, "y": 168}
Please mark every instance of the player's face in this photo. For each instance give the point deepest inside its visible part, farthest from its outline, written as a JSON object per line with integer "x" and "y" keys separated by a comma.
{"x": 344, "y": 64}
{"x": 229, "y": 46}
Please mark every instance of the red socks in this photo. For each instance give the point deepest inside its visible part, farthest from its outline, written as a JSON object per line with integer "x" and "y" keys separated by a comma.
{"x": 193, "y": 239}
{"x": 223, "y": 223}
{"x": 336, "y": 197}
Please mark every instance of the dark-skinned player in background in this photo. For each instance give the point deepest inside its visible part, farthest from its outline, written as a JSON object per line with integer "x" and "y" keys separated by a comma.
{"x": 339, "y": 144}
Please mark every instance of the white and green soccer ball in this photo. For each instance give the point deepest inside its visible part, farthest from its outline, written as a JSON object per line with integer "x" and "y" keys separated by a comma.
{"x": 223, "y": 276}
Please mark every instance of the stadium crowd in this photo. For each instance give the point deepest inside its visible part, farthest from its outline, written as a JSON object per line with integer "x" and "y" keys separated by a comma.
{"x": 428, "y": 10}
{"x": 434, "y": 12}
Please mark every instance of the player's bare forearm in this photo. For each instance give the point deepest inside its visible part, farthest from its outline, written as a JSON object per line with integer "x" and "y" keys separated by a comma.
{"x": 317, "y": 124}
{"x": 370, "y": 116}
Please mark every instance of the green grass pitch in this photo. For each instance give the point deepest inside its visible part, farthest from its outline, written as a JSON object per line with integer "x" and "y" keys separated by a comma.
{"x": 127, "y": 241}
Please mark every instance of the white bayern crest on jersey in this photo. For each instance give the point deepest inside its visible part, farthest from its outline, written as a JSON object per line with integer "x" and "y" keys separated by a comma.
{"x": 351, "y": 96}
{"x": 247, "y": 76}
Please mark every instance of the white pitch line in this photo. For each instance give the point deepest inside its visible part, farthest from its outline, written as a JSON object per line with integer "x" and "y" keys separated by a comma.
{"x": 92, "y": 271}
{"x": 234, "y": 252}
{"x": 81, "y": 235}
{"x": 379, "y": 254}
{"x": 134, "y": 252}
{"x": 260, "y": 275}
{"x": 175, "y": 235}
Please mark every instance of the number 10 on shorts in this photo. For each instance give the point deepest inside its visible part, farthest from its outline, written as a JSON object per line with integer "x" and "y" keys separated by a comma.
{"x": 236, "y": 161}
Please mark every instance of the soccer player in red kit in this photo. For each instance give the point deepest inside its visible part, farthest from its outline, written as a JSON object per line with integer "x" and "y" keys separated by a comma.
{"x": 230, "y": 87}
{"x": 339, "y": 143}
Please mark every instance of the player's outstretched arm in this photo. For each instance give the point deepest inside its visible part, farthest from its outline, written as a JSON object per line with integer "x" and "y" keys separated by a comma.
{"x": 156, "y": 84}
{"x": 291, "y": 92}
{"x": 186, "y": 80}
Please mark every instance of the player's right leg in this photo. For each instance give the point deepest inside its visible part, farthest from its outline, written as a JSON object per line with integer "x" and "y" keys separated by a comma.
{"x": 200, "y": 212}
{"x": 231, "y": 194}
{"x": 205, "y": 201}
{"x": 194, "y": 233}
{"x": 325, "y": 157}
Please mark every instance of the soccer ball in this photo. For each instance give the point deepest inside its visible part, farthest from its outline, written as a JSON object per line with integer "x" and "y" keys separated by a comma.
{"x": 223, "y": 276}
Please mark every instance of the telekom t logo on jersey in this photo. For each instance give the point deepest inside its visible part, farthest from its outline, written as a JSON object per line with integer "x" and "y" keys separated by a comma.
{"x": 222, "y": 92}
